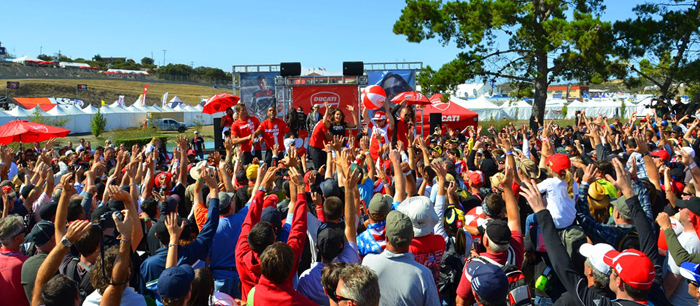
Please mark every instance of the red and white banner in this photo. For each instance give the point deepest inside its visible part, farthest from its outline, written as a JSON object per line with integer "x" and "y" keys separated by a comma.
{"x": 143, "y": 101}
{"x": 337, "y": 96}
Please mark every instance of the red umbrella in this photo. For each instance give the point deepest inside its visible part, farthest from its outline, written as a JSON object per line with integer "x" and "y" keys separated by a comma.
{"x": 25, "y": 131}
{"x": 411, "y": 97}
{"x": 219, "y": 103}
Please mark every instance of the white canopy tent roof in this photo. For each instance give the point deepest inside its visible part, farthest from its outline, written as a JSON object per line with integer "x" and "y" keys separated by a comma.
{"x": 24, "y": 59}
{"x": 89, "y": 109}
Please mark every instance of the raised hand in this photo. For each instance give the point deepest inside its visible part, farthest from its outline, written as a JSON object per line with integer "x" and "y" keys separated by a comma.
{"x": 589, "y": 176}
{"x": 663, "y": 220}
{"x": 118, "y": 194}
{"x": 350, "y": 108}
{"x": 77, "y": 229}
{"x": 623, "y": 181}
{"x": 532, "y": 195}
{"x": 295, "y": 177}
{"x": 364, "y": 143}
{"x": 68, "y": 187}
{"x": 394, "y": 156}
{"x": 124, "y": 226}
{"x": 338, "y": 142}
{"x": 174, "y": 229}
{"x": 207, "y": 175}
{"x": 269, "y": 178}
{"x": 353, "y": 177}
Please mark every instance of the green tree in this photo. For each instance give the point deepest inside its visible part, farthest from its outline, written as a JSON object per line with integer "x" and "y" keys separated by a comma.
{"x": 176, "y": 69}
{"x": 661, "y": 38}
{"x": 549, "y": 41}
{"x": 38, "y": 117}
{"x": 97, "y": 58}
{"x": 45, "y": 57}
{"x": 98, "y": 124}
{"x": 146, "y": 61}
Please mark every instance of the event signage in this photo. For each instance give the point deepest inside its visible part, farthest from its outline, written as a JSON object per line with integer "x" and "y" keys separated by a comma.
{"x": 258, "y": 93}
{"x": 82, "y": 87}
{"x": 12, "y": 85}
{"x": 121, "y": 100}
{"x": 143, "y": 100}
{"x": 164, "y": 100}
{"x": 336, "y": 96}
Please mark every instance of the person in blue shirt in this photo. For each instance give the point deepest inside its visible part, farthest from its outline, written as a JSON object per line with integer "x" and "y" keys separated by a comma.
{"x": 153, "y": 266}
{"x": 222, "y": 256}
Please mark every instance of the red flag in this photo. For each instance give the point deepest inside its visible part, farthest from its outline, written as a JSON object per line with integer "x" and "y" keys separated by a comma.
{"x": 143, "y": 100}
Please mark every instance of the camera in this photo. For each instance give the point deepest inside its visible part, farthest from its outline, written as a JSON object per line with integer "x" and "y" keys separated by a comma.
{"x": 106, "y": 221}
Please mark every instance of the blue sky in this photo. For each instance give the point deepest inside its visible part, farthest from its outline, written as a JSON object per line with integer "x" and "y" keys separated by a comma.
{"x": 224, "y": 33}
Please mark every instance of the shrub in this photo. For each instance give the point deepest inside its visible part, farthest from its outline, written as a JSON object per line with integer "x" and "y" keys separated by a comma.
{"x": 38, "y": 117}
{"x": 564, "y": 110}
{"x": 138, "y": 141}
{"x": 98, "y": 124}
{"x": 623, "y": 107}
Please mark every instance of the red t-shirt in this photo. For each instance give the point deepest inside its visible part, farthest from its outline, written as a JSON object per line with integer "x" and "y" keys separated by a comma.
{"x": 227, "y": 121}
{"x": 318, "y": 136}
{"x": 375, "y": 144}
{"x": 12, "y": 292}
{"x": 464, "y": 290}
{"x": 273, "y": 133}
{"x": 428, "y": 251}
{"x": 401, "y": 130}
{"x": 244, "y": 128}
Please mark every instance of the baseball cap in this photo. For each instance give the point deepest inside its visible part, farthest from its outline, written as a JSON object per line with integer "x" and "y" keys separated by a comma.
{"x": 677, "y": 128}
{"x": 48, "y": 211}
{"x": 175, "y": 281}
{"x": 633, "y": 267}
{"x": 168, "y": 206}
{"x": 693, "y": 204}
{"x": 191, "y": 152}
{"x": 558, "y": 163}
{"x": 676, "y": 187}
{"x": 225, "y": 199}
{"x": 380, "y": 115}
{"x": 677, "y": 174}
{"x": 162, "y": 231}
{"x": 661, "y": 154}
{"x": 690, "y": 271}
{"x": 423, "y": 217}
{"x": 529, "y": 167}
{"x": 271, "y": 215}
{"x": 597, "y": 198}
{"x": 498, "y": 231}
{"x": 595, "y": 254}
{"x": 41, "y": 233}
{"x": 330, "y": 188}
{"x": 196, "y": 171}
{"x": 330, "y": 240}
{"x": 252, "y": 171}
{"x": 476, "y": 178}
{"x": 399, "y": 231}
{"x": 454, "y": 218}
{"x": 241, "y": 177}
{"x": 196, "y": 132}
{"x": 168, "y": 176}
{"x": 497, "y": 178}
{"x": 621, "y": 205}
{"x": 488, "y": 281}
{"x": 26, "y": 190}
{"x": 380, "y": 204}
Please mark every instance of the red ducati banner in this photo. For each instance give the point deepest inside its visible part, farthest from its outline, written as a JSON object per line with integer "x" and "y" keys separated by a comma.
{"x": 337, "y": 96}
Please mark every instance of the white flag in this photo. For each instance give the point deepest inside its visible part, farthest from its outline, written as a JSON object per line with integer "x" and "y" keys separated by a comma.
{"x": 165, "y": 99}
{"x": 121, "y": 100}
{"x": 78, "y": 103}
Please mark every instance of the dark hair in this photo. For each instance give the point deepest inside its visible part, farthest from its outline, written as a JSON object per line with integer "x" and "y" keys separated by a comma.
{"x": 634, "y": 293}
{"x": 150, "y": 207}
{"x": 75, "y": 208}
{"x": 276, "y": 262}
{"x": 172, "y": 302}
{"x": 89, "y": 243}
{"x": 202, "y": 287}
{"x": 495, "y": 204}
{"x": 239, "y": 107}
{"x": 604, "y": 166}
{"x": 330, "y": 275}
{"x": 59, "y": 291}
{"x": 333, "y": 208}
{"x": 260, "y": 236}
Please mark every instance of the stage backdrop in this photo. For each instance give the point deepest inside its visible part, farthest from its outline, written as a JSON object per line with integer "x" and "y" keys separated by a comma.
{"x": 338, "y": 96}
{"x": 394, "y": 82}
{"x": 258, "y": 92}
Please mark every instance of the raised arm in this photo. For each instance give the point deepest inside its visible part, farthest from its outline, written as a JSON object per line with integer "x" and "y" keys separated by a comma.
{"x": 62, "y": 209}
{"x": 182, "y": 143}
{"x": 120, "y": 273}
{"x": 351, "y": 205}
{"x": 174, "y": 230}
{"x": 399, "y": 179}
{"x": 136, "y": 229}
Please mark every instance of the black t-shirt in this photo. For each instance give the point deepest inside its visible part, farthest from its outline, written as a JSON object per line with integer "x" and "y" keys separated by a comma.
{"x": 198, "y": 144}
{"x": 337, "y": 129}
{"x": 182, "y": 208}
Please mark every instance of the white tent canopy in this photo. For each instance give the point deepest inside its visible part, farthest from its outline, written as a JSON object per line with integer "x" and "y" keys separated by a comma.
{"x": 25, "y": 59}
{"x": 483, "y": 107}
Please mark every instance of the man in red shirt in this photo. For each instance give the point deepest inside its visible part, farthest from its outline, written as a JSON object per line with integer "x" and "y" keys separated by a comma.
{"x": 317, "y": 142}
{"x": 427, "y": 247}
{"x": 382, "y": 126}
{"x": 273, "y": 131}
{"x": 404, "y": 124}
{"x": 12, "y": 234}
{"x": 242, "y": 133}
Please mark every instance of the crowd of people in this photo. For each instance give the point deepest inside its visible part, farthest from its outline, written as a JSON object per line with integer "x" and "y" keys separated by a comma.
{"x": 360, "y": 211}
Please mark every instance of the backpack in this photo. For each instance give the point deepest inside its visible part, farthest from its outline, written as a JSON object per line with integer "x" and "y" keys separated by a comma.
{"x": 518, "y": 289}
{"x": 450, "y": 272}
{"x": 84, "y": 286}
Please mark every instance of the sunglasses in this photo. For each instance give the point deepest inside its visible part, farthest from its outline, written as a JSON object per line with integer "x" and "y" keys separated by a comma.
{"x": 340, "y": 298}
{"x": 694, "y": 283}
{"x": 687, "y": 194}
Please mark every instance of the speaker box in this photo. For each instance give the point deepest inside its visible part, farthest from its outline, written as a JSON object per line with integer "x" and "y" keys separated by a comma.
{"x": 435, "y": 121}
{"x": 353, "y": 68}
{"x": 290, "y": 69}
{"x": 218, "y": 140}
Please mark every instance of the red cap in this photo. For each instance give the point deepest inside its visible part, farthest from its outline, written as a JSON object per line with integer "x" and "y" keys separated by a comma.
{"x": 661, "y": 154}
{"x": 307, "y": 186}
{"x": 380, "y": 115}
{"x": 167, "y": 175}
{"x": 558, "y": 163}
{"x": 476, "y": 178}
{"x": 191, "y": 152}
{"x": 677, "y": 187}
{"x": 7, "y": 189}
{"x": 633, "y": 267}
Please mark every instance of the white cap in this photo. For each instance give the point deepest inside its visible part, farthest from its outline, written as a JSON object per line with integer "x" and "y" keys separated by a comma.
{"x": 595, "y": 254}
{"x": 423, "y": 217}
{"x": 196, "y": 132}
{"x": 676, "y": 226}
{"x": 69, "y": 152}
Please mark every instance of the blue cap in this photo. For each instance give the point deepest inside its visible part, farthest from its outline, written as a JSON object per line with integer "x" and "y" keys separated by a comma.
{"x": 175, "y": 282}
{"x": 664, "y": 123}
{"x": 488, "y": 281}
{"x": 690, "y": 271}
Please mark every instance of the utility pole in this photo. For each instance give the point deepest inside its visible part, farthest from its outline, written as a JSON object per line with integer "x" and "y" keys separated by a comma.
{"x": 164, "y": 56}
{"x": 152, "y": 56}
{"x": 41, "y": 50}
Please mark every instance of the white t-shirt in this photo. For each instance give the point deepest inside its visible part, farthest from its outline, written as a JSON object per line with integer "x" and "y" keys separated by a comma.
{"x": 129, "y": 297}
{"x": 680, "y": 296}
{"x": 559, "y": 204}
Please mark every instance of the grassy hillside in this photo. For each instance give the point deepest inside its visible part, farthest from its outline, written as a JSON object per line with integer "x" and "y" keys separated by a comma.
{"x": 109, "y": 90}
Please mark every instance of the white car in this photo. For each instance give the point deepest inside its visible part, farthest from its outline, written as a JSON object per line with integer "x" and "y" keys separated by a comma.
{"x": 168, "y": 124}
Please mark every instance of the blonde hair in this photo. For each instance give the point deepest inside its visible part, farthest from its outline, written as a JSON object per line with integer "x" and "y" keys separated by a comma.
{"x": 568, "y": 177}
